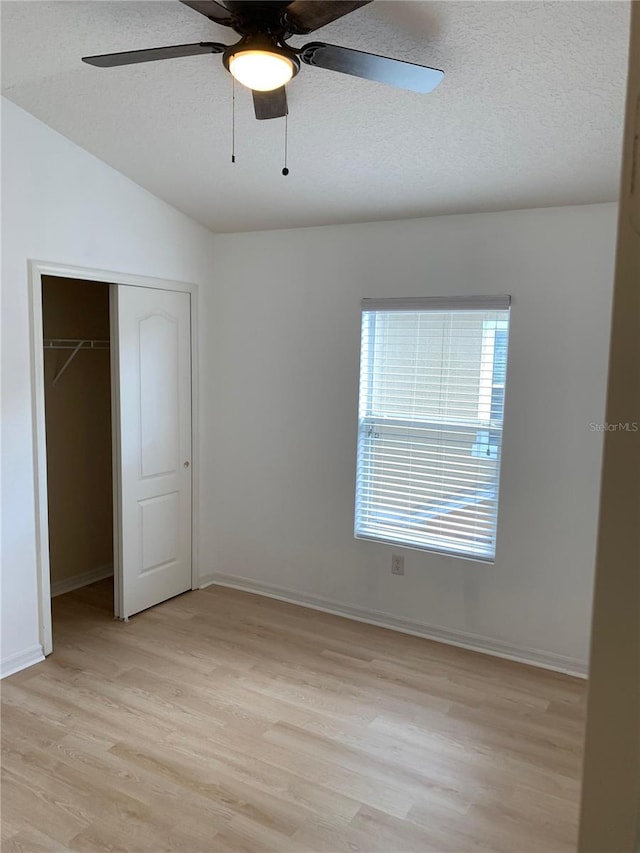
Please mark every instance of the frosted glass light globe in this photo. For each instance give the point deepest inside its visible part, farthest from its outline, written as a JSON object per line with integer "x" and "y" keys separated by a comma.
{"x": 260, "y": 69}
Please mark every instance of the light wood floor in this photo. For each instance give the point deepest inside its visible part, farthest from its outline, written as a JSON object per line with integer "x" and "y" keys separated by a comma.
{"x": 222, "y": 721}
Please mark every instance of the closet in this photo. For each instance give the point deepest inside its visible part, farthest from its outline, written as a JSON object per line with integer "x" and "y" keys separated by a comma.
{"x": 116, "y": 383}
{"x": 77, "y": 387}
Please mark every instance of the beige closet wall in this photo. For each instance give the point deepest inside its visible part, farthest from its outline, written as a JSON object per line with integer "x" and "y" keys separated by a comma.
{"x": 78, "y": 425}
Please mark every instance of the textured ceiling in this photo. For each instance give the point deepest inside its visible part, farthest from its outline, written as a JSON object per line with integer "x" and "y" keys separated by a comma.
{"x": 529, "y": 113}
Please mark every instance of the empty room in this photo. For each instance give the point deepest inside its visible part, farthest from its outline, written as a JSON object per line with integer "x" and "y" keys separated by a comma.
{"x": 320, "y": 426}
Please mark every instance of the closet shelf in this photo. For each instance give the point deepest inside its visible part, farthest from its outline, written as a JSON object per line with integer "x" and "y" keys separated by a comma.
{"x": 75, "y": 345}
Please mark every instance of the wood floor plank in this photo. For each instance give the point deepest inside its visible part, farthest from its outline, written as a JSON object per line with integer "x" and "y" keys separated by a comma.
{"x": 294, "y": 790}
{"x": 163, "y": 795}
{"x": 30, "y": 840}
{"x": 221, "y": 721}
{"x": 41, "y": 807}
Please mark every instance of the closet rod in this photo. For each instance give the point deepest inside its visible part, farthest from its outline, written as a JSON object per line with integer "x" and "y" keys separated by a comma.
{"x": 74, "y": 344}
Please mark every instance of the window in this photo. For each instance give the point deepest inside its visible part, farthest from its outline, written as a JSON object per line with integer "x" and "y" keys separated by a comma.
{"x": 432, "y": 386}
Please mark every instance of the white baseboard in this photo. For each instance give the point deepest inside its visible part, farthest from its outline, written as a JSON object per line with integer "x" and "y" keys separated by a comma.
{"x": 462, "y": 639}
{"x": 21, "y": 660}
{"x": 78, "y": 581}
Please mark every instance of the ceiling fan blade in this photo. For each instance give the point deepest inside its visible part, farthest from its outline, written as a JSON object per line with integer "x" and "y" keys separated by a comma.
{"x": 382, "y": 69}
{"x": 305, "y": 16}
{"x": 212, "y": 10}
{"x": 270, "y": 104}
{"x": 130, "y": 57}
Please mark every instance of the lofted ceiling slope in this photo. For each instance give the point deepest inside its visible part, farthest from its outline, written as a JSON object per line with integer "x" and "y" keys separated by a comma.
{"x": 529, "y": 113}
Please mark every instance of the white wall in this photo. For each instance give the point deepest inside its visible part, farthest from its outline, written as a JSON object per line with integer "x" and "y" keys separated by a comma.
{"x": 283, "y": 427}
{"x": 62, "y": 205}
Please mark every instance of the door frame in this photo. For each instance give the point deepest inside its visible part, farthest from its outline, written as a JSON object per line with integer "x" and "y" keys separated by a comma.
{"x": 38, "y": 269}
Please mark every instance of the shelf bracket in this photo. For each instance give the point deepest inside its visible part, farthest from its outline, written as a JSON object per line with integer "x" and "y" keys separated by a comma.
{"x": 67, "y": 362}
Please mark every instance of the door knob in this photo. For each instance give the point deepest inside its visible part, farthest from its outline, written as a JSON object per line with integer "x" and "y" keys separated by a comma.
{"x": 186, "y": 464}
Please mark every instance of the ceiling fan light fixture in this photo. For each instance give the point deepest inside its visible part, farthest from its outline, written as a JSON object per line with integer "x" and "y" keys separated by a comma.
{"x": 261, "y": 70}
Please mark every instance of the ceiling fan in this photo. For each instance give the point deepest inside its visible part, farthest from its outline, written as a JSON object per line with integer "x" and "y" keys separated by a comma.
{"x": 263, "y": 61}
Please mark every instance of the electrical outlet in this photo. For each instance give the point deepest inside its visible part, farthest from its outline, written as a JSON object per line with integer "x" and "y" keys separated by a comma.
{"x": 397, "y": 564}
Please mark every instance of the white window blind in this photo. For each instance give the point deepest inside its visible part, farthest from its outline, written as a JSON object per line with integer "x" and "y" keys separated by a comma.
{"x": 432, "y": 385}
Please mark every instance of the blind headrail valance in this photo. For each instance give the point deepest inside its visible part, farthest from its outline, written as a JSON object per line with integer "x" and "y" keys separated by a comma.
{"x": 439, "y": 303}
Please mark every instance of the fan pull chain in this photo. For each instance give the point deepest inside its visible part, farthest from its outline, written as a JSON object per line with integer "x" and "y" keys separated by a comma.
{"x": 233, "y": 119}
{"x": 285, "y": 171}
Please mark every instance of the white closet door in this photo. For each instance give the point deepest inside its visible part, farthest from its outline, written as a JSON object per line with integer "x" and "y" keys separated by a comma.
{"x": 154, "y": 414}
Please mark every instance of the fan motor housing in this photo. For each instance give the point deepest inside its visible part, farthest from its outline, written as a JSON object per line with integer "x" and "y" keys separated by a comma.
{"x": 253, "y": 16}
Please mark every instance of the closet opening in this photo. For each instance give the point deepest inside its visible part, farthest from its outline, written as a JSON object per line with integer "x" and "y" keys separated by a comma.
{"x": 78, "y": 428}
{"x": 114, "y": 382}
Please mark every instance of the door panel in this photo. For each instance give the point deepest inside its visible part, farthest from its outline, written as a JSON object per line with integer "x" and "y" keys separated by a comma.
{"x": 158, "y": 344}
{"x": 154, "y": 411}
